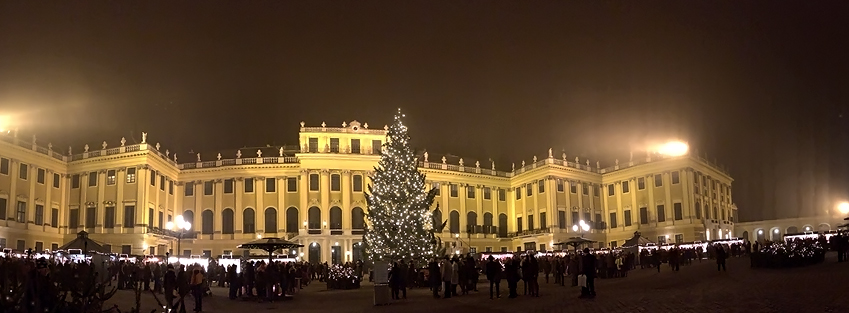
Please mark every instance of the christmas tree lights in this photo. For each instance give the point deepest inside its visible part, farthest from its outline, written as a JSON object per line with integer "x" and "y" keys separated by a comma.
{"x": 399, "y": 216}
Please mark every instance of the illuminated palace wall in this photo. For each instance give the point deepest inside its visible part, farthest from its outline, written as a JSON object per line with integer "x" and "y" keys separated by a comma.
{"x": 314, "y": 194}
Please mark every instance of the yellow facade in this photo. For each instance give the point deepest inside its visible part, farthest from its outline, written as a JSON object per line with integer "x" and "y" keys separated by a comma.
{"x": 315, "y": 195}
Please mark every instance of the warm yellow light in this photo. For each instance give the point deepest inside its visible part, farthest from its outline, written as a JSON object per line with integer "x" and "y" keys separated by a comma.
{"x": 843, "y": 207}
{"x": 5, "y": 123}
{"x": 673, "y": 148}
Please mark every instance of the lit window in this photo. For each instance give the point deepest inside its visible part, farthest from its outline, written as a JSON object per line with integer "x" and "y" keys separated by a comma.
{"x": 131, "y": 175}
{"x": 110, "y": 177}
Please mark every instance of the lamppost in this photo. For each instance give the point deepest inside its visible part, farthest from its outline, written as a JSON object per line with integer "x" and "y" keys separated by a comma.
{"x": 180, "y": 226}
{"x": 583, "y": 226}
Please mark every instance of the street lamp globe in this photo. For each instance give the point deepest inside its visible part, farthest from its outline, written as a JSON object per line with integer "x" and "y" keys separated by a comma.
{"x": 575, "y": 228}
{"x": 843, "y": 207}
{"x": 585, "y": 227}
{"x": 169, "y": 225}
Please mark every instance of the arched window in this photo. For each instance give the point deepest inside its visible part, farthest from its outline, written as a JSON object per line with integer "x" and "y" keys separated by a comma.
{"x": 502, "y": 225}
{"x": 292, "y": 220}
{"x": 437, "y": 218}
{"x": 314, "y": 218}
{"x": 487, "y": 223}
{"x": 206, "y": 222}
{"x": 454, "y": 221}
{"x": 698, "y": 210}
{"x": 270, "y": 220}
{"x": 227, "y": 226}
{"x": 357, "y": 219}
{"x": 471, "y": 221}
{"x": 248, "y": 221}
{"x": 189, "y": 216}
{"x": 335, "y": 218}
{"x": 791, "y": 230}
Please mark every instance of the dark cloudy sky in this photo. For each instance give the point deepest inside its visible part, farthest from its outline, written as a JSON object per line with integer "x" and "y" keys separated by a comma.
{"x": 759, "y": 86}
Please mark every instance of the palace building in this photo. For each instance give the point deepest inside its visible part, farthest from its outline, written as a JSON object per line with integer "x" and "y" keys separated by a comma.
{"x": 124, "y": 194}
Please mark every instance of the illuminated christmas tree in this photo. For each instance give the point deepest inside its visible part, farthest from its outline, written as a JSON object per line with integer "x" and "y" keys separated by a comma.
{"x": 399, "y": 219}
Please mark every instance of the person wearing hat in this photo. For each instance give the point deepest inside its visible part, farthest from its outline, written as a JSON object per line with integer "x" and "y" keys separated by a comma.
{"x": 493, "y": 274}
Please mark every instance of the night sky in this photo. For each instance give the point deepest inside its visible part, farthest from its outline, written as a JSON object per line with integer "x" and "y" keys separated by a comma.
{"x": 762, "y": 87}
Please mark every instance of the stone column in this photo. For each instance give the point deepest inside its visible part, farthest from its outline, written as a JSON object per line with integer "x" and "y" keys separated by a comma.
{"x": 550, "y": 200}
{"x": 668, "y": 206}
{"x": 463, "y": 197}
{"x": 121, "y": 177}
{"x": 303, "y": 193}
{"x": 11, "y": 208}
{"x": 47, "y": 213}
{"x": 259, "y": 192}
{"x": 101, "y": 197}
{"x": 217, "y": 217}
{"x": 281, "y": 206}
{"x": 239, "y": 209}
{"x": 142, "y": 181}
{"x": 347, "y": 190}
{"x": 324, "y": 187}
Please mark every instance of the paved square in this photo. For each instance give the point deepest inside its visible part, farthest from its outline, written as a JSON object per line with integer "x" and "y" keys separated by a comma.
{"x": 696, "y": 288}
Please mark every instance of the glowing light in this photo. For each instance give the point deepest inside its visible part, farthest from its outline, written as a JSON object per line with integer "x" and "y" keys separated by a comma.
{"x": 760, "y": 231}
{"x": 5, "y": 123}
{"x": 258, "y": 236}
{"x": 843, "y": 207}
{"x": 775, "y": 231}
{"x": 673, "y": 148}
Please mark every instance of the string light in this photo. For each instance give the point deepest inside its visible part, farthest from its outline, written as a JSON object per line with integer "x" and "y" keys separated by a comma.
{"x": 399, "y": 217}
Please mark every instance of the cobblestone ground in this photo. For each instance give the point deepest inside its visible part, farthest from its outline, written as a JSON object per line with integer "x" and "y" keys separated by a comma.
{"x": 696, "y": 288}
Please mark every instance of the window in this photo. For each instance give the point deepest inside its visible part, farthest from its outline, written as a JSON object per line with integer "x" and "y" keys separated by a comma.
{"x": 150, "y": 217}
{"x": 90, "y": 217}
{"x": 676, "y": 179}
{"x": 74, "y": 218}
{"x": 75, "y": 181}
{"x": 92, "y": 179}
{"x": 335, "y": 182}
{"x": 470, "y": 192}
{"x": 679, "y": 238}
{"x": 661, "y": 240}
{"x": 39, "y": 214}
{"x": 518, "y": 193}
{"x": 641, "y": 183}
{"x": 503, "y": 249}
{"x": 613, "y": 223}
{"x": 529, "y": 190}
{"x": 129, "y": 216}
{"x": 171, "y": 187}
{"x": 3, "y": 203}
{"x": 4, "y": 166}
{"x": 584, "y": 189}
{"x": 227, "y": 222}
{"x": 678, "y": 212}
{"x": 595, "y": 190}
{"x": 486, "y": 193}
{"x": 54, "y": 217}
{"x": 152, "y": 178}
{"x": 375, "y": 147}
{"x": 519, "y": 224}
{"x": 610, "y": 190}
{"x": 292, "y": 184}
{"x": 110, "y": 177}
{"x": 530, "y": 222}
{"x": 190, "y": 189}
{"x": 698, "y": 210}
{"x": 658, "y": 180}
{"x": 561, "y": 219}
{"x": 661, "y": 213}
{"x": 357, "y": 182}
{"x": 334, "y": 145}
{"x": 560, "y": 185}
{"x": 249, "y": 185}
{"x": 23, "y": 171}
{"x": 573, "y": 187}
{"x": 314, "y": 182}
{"x": 21, "y": 217}
{"x": 543, "y": 222}
{"x": 39, "y": 175}
{"x": 502, "y": 195}
{"x": 541, "y": 186}
{"x": 162, "y": 182}
{"x": 131, "y": 175}
{"x": 454, "y": 191}
{"x": 160, "y": 221}
{"x": 270, "y": 185}
{"x": 627, "y": 218}
{"x": 208, "y": 188}
{"x": 56, "y": 180}
{"x": 644, "y": 215}
{"x": 228, "y": 185}
{"x": 625, "y": 187}
{"x": 313, "y": 145}
{"x": 248, "y": 221}
{"x": 109, "y": 217}
{"x": 355, "y": 146}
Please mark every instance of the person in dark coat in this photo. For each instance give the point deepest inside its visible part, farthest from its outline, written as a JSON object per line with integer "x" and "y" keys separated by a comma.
{"x": 434, "y": 276}
{"x": 511, "y": 270}
{"x": 397, "y": 280}
{"x": 493, "y": 274}
{"x": 170, "y": 285}
{"x": 588, "y": 268}
{"x": 721, "y": 255}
